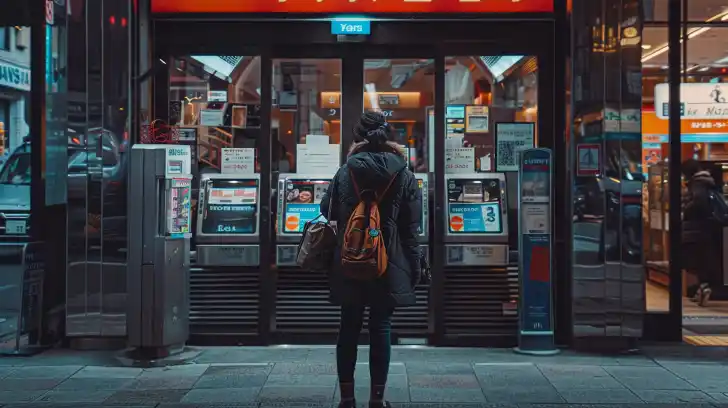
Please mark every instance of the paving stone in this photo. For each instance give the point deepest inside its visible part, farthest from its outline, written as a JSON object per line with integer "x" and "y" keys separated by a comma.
{"x": 303, "y": 368}
{"x": 322, "y": 380}
{"x": 579, "y": 377}
{"x": 186, "y": 370}
{"x": 252, "y": 355}
{"x": 395, "y": 368}
{"x": 239, "y": 369}
{"x": 648, "y": 378}
{"x": 446, "y": 395}
{"x": 6, "y": 371}
{"x": 718, "y": 397}
{"x": 523, "y": 395}
{"x": 76, "y": 396}
{"x": 392, "y": 394}
{"x": 600, "y": 396}
{"x": 146, "y": 396}
{"x": 44, "y": 372}
{"x": 19, "y": 396}
{"x": 93, "y": 384}
{"x": 14, "y": 384}
{"x": 439, "y": 368}
{"x": 444, "y": 381}
{"x": 510, "y": 375}
{"x": 227, "y": 395}
{"x": 157, "y": 383}
{"x": 296, "y": 395}
{"x": 230, "y": 381}
{"x": 108, "y": 372}
{"x": 674, "y": 396}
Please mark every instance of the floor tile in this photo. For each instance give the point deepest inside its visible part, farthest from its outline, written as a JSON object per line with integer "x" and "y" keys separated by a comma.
{"x": 301, "y": 395}
{"x": 230, "y": 381}
{"x": 227, "y": 395}
{"x": 303, "y": 368}
{"x": 19, "y": 396}
{"x": 239, "y": 369}
{"x": 392, "y": 394}
{"x": 93, "y": 384}
{"x": 674, "y": 396}
{"x": 145, "y": 396}
{"x": 648, "y": 378}
{"x": 446, "y": 395}
{"x": 600, "y": 396}
{"x": 439, "y": 368}
{"x": 76, "y": 396}
{"x": 322, "y": 380}
{"x": 185, "y": 370}
{"x": 44, "y": 372}
{"x": 158, "y": 383}
{"x": 523, "y": 395}
{"x": 15, "y": 384}
{"x": 108, "y": 372}
{"x": 454, "y": 381}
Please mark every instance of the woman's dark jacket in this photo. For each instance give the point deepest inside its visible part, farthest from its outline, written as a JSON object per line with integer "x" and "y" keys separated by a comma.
{"x": 702, "y": 227}
{"x": 400, "y": 214}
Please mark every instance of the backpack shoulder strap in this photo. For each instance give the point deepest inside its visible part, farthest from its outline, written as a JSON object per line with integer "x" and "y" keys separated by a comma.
{"x": 354, "y": 183}
{"x": 381, "y": 195}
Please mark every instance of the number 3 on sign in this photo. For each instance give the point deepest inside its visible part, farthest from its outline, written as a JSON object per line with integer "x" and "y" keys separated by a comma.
{"x": 489, "y": 217}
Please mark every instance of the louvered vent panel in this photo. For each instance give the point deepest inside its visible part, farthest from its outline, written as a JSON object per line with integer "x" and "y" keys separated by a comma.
{"x": 302, "y": 306}
{"x": 474, "y": 299}
{"x": 224, "y": 301}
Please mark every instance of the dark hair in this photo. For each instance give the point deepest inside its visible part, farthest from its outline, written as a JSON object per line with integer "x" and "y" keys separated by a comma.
{"x": 373, "y": 128}
{"x": 689, "y": 167}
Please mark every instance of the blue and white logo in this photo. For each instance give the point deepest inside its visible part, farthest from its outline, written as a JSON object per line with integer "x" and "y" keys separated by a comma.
{"x": 350, "y": 27}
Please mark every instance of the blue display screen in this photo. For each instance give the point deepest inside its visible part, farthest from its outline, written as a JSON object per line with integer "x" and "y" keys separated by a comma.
{"x": 474, "y": 206}
{"x": 231, "y": 207}
{"x": 302, "y": 203}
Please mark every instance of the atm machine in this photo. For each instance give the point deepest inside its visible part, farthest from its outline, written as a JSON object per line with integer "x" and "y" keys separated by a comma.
{"x": 159, "y": 248}
{"x": 226, "y": 275}
{"x": 301, "y": 306}
{"x": 481, "y": 287}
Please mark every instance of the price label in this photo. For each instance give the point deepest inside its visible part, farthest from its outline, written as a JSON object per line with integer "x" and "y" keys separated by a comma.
{"x": 15, "y": 227}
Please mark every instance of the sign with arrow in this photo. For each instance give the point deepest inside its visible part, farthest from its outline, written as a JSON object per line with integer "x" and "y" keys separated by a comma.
{"x": 588, "y": 158}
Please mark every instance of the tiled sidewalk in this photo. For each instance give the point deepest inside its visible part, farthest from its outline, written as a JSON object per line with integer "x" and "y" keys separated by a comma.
{"x": 298, "y": 377}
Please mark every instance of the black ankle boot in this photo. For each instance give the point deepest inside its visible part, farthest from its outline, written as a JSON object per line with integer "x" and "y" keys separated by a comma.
{"x": 347, "y": 404}
{"x": 379, "y": 404}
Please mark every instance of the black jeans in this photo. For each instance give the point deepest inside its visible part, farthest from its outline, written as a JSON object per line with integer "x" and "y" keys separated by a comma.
{"x": 380, "y": 342}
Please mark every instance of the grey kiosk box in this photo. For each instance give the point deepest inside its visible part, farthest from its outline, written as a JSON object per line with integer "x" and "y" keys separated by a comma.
{"x": 476, "y": 248}
{"x": 158, "y": 267}
{"x": 226, "y": 247}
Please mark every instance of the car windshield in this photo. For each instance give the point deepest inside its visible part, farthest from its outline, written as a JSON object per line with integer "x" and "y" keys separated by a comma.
{"x": 16, "y": 170}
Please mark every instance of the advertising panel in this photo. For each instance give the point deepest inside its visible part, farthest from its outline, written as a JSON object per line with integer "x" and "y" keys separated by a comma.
{"x": 302, "y": 203}
{"x": 474, "y": 206}
{"x": 231, "y": 207}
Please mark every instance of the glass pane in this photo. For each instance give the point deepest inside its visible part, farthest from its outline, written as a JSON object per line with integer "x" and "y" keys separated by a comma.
{"x": 404, "y": 91}
{"x": 306, "y": 115}
{"x": 491, "y": 111}
{"x": 707, "y": 10}
{"x": 215, "y": 102}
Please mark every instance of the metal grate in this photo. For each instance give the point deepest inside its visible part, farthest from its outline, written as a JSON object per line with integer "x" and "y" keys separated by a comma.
{"x": 224, "y": 301}
{"x": 477, "y": 300}
{"x": 302, "y": 306}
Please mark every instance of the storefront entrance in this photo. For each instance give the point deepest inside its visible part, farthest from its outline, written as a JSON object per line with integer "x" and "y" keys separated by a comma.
{"x": 292, "y": 91}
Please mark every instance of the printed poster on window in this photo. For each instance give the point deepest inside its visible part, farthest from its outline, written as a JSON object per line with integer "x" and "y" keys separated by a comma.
{"x": 476, "y": 119}
{"x": 238, "y": 161}
{"x": 509, "y": 139}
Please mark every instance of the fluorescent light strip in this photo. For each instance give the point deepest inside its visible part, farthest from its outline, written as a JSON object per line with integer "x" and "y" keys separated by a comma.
{"x": 691, "y": 34}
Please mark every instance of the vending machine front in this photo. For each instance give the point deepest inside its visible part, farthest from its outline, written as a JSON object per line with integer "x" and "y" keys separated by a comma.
{"x": 477, "y": 220}
{"x": 424, "y": 229}
{"x": 159, "y": 247}
{"x": 299, "y": 201}
{"x": 228, "y": 220}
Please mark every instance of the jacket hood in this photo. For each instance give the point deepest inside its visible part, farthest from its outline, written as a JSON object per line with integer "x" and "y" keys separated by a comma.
{"x": 375, "y": 168}
{"x": 704, "y": 178}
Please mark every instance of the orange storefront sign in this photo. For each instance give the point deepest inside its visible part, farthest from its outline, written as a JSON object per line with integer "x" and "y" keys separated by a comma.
{"x": 652, "y": 125}
{"x": 352, "y": 6}
{"x": 292, "y": 222}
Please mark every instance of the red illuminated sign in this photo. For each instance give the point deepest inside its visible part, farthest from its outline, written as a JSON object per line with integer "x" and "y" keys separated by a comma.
{"x": 353, "y": 6}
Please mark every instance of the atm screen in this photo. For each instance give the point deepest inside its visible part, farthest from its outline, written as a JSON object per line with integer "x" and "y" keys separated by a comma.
{"x": 231, "y": 207}
{"x": 302, "y": 203}
{"x": 474, "y": 206}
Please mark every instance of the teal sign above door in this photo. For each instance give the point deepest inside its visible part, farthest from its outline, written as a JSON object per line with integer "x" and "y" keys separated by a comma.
{"x": 350, "y": 26}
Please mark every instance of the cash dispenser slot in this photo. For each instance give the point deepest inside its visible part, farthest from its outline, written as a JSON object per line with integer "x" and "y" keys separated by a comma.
{"x": 480, "y": 276}
{"x": 225, "y": 283}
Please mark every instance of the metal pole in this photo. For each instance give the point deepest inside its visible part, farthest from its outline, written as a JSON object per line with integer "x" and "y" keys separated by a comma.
{"x": 674, "y": 177}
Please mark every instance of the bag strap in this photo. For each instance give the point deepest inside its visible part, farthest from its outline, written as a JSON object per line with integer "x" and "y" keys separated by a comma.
{"x": 379, "y": 195}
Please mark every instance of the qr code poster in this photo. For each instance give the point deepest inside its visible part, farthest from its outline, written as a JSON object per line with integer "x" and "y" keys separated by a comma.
{"x": 509, "y": 139}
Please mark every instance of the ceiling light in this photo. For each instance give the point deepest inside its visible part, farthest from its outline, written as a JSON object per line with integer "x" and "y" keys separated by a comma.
{"x": 703, "y": 69}
{"x": 646, "y": 46}
{"x": 692, "y": 34}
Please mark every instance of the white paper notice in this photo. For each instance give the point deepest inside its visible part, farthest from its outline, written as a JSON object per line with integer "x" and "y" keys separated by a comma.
{"x": 210, "y": 117}
{"x": 460, "y": 160}
{"x": 317, "y": 139}
{"x": 453, "y": 142}
{"x": 317, "y": 159}
{"x": 535, "y": 219}
{"x": 510, "y": 138}
{"x": 238, "y": 161}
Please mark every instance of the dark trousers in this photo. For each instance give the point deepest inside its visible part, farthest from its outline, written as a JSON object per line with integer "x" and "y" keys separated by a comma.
{"x": 380, "y": 342}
